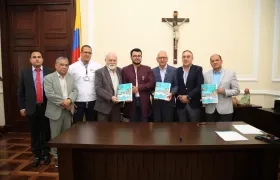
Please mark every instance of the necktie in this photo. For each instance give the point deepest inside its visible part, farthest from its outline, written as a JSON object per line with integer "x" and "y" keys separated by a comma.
{"x": 39, "y": 96}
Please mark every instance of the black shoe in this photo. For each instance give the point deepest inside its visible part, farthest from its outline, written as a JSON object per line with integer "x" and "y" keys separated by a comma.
{"x": 47, "y": 159}
{"x": 36, "y": 161}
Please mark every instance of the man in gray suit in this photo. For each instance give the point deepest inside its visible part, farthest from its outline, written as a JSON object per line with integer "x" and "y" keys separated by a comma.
{"x": 227, "y": 86}
{"x": 163, "y": 110}
{"x": 106, "y": 81}
{"x": 61, "y": 93}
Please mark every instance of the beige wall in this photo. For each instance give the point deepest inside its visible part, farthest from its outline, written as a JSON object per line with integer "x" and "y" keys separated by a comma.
{"x": 245, "y": 32}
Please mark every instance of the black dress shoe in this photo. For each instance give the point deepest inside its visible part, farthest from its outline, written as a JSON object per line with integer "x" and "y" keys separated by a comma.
{"x": 47, "y": 160}
{"x": 36, "y": 162}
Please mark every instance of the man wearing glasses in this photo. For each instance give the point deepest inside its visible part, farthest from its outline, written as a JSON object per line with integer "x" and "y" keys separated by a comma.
{"x": 83, "y": 72}
{"x": 142, "y": 80}
{"x": 163, "y": 110}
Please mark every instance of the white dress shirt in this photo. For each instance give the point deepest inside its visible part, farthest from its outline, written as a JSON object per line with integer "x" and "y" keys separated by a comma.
{"x": 63, "y": 86}
{"x": 84, "y": 79}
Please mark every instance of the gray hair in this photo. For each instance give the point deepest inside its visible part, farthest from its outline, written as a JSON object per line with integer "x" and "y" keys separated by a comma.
{"x": 61, "y": 58}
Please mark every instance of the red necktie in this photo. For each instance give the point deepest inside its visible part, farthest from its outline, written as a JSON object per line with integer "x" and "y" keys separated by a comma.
{"x": 38, "y": 86}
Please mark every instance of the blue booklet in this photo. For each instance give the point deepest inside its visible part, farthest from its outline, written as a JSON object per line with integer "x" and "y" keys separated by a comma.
{"x": 124, "y": 92}
{"x": 162, "y": 90}
{"x": 209, "y": 93}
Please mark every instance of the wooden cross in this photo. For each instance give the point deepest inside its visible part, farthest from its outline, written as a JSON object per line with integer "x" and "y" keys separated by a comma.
{"x": 175, "y": 26}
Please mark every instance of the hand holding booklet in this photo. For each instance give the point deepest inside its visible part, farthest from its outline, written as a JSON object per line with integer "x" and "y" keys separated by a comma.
{"x": 209, "y": 93}
{"x": 162, "y": 90}
{"x": 124, "y": 92}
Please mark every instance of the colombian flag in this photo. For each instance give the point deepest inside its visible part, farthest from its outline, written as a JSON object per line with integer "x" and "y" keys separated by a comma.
{"x": 77, "y": 34}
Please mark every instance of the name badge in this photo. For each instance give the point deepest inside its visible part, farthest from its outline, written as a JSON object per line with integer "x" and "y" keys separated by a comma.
{"x": 86, "y": 78}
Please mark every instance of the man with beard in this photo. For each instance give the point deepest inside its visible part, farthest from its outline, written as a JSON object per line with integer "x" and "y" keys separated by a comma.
{"x": 143, "y": 83}
{"x": 106, "y": 81}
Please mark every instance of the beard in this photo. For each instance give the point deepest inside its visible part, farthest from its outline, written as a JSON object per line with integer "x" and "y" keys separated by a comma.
{"x": 136, "y": 63}
{"x": 112, "y": 66}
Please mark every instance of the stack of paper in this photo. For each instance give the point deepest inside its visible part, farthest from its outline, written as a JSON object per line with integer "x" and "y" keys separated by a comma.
{"x": 231, "y": 136}
{"x": 247, "y": 129}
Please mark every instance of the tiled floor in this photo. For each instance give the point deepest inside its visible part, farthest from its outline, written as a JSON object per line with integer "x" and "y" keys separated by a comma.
{"x": 16, "y": 158}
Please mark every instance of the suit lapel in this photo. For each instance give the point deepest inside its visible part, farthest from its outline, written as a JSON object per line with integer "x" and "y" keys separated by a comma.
{"x": 30, "y": 74}
{"x": 158, "y": 76}
{"x": 55, "y": 76}
{"x": 119, "y": 75}
{"x": 167, "y": 73}
{"x": 210, "y": 80}
{"x": 189, "y": 74}
{"x": 68, "y": 83}
{"x": 222, "y": 76}
{"x": 108, "y": 76}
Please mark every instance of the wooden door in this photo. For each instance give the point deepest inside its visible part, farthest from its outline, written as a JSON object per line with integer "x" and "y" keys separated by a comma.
{"x": 32, "y": 25}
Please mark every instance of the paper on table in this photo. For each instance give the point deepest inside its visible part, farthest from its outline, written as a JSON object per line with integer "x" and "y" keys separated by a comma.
{"x": 231, "y": 136}
{"x": 247, "y": 129}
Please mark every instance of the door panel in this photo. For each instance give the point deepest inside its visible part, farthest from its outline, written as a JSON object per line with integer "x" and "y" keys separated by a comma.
{"x": 36, "y": 25}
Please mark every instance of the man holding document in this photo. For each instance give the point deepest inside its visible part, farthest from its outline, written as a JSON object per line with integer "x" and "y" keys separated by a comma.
{"x": 227, "y": 86}
{"x": 164, "y": 76}
{"x": 106, "y": 82}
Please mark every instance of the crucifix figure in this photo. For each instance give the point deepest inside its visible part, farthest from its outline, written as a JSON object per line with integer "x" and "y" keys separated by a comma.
{"x": 175, "y": 23}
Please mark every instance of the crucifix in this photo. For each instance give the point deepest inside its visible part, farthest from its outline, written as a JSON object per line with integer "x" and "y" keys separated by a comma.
{"x": 176, "y": 23}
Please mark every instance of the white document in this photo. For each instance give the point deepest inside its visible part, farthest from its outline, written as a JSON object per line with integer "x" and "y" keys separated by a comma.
{"x": 247, "y": 129}
{"x": 231, "y": 136}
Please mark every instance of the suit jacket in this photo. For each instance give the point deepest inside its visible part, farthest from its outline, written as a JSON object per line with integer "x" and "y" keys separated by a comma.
{"x": 170, "y": 77}
{"x": 146, "y": 84}
{"x": 192, "y": 87}
{"x": 27, "y": 92}
{"x": 54, "y": 94}
{"x": 229, "y": 82}
{"x": 105, "y": 90}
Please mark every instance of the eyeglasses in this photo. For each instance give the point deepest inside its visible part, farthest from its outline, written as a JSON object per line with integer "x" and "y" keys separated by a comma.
{"x": 134, "y": 56}
{"x": 162, "y": 57}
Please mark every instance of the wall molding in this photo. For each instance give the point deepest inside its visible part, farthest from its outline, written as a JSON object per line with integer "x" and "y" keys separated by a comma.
{"x": 274, "y": 76}
{"x": 256, "y": 44}
{"x": 262, "y": 92}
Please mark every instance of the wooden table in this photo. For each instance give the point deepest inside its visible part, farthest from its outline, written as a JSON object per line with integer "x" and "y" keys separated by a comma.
{"x": 267, "y": 120}
{"x": 153, "y": 151}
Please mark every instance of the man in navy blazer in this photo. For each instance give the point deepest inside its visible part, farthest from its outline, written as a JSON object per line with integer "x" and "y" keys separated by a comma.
{"x": 163, "y": 110}
{"x": 190, "y": 78}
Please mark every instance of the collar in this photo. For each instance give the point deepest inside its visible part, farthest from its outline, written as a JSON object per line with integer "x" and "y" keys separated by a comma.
{"x": 220, "y": 72}
{"x": 33, "y": 68}
{"x": 60, "y": 75}
{"x": 188, "y": 69}
{"x": 163, "y": 68}
{"x": 81, "y": 62}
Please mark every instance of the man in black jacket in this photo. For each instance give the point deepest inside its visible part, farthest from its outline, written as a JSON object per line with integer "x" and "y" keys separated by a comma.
{"x": 190, "y": 78}
{"x": 32, "y": 103}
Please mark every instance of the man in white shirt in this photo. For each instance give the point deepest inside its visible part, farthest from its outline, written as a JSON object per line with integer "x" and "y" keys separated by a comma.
{"x": 83, "y": 72}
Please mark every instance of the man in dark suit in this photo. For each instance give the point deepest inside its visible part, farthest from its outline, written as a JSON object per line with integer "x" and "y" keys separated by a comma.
{"x": 32, "y": 103}
{"x": 106, "y": 81}
{"x": 163, "y": 110}
{"x": 190, "y": 78}
{"x": 143, "y": 83}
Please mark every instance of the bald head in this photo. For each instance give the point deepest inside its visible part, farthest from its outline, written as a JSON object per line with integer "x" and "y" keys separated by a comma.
{"x": 216, "y": 62}
{"x": 111, "y": 60}
{"x": 162, "y": 59}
